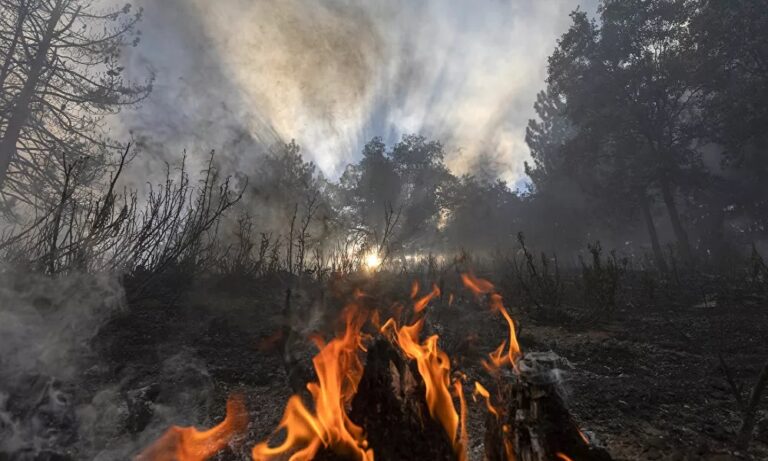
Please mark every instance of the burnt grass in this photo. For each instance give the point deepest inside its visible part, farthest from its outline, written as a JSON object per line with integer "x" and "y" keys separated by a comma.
{"x": 645, "y": 381}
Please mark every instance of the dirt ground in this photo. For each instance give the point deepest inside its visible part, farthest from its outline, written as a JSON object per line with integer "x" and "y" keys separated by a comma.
{"x": 646, "y": 385}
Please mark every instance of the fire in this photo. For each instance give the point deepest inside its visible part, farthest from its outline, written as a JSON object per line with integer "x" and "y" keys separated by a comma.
{"x": 189, "y": 444}
{"x": 483, "y": 392}
{"x": 497, "y": 358}
{"x": 563, "y": 457}
{"x": 339, "y": 370}
{"x": 463, "y": 436}
{"x": 514, "y": 348}
{"x": 422, "y": 302}
{"x": 509, "y": 448}
{"x": 507, "y": 353}
{"x": 435, "y": 368}
{"x": 414, "y": 289}
{"x": 478, "y": 286}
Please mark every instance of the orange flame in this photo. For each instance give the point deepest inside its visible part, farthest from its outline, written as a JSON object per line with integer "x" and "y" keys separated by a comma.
{"x": 563, "y": 456}
{"x": 339, "y": 370}
{"x": 189, "y": 444}
{"x": 422, "y": 302}
{"x": 514, "y": 348}
{"x": 497, "y": 358}
{"x": 463, "y": 437}
{"x": 376, "y": 319}
{"x": 482, "y": 391}
{"x": 435, "y": 368}
{"x": 478, "y": 286}
{"x": 509, "y": 448}
{"x": 414, "y": 289}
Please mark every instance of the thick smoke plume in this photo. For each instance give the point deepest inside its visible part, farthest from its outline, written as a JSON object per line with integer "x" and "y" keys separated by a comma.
{"x": 239, "y": 75}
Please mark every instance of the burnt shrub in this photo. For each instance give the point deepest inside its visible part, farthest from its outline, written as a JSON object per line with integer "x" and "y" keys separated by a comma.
{"x": 600, "y": 283}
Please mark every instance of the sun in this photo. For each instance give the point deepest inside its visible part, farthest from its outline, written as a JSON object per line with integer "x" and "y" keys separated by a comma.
{"x": 372, "y": 261}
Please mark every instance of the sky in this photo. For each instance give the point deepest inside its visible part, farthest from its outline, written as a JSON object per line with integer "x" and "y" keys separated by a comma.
{"x": 238, "y": 76}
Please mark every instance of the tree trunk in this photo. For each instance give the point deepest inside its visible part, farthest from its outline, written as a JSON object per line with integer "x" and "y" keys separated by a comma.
{"x": 18, "y": 30}
{"x": 658, "y": 255}
{"x": 681, "y": 235}
{"x": 20, "y": 113}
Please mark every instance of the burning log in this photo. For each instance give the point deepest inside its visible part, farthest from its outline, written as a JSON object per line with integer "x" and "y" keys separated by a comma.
{"x": 390, "y": 404}
{"x": 402, "y": 404}
{"x": 530, "y": 421}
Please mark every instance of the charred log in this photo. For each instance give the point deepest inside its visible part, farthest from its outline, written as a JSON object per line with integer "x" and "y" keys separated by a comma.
{"x": 390, "y": 404}
{"x": 534, "y": 423}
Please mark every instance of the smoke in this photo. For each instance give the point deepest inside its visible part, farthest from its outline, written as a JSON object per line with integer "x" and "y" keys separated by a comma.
{"x": 46, "y": 325}
{"x": 58, "y": 399}
{"x": 239, "y": 75}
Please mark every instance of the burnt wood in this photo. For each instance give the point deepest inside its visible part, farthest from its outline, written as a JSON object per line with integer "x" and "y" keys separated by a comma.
{"x": 390, "y": 405}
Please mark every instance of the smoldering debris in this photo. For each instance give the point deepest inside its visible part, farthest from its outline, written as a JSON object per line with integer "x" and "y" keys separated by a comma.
{"x": 46, "y": 325}
{"x": 57, "y": 400}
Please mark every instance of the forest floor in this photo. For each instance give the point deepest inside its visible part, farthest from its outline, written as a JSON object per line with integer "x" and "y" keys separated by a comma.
{"x": 647, "y": 384}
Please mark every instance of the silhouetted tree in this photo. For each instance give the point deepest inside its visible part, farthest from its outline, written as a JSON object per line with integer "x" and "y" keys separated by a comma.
{"x": 423, "y": 174}
{"x": 626, "y": 87}
{"x": 480, "y": 215}
{"x": 371, "y": 187}
{"x": 60, "y": 74}
{"x": 730, "y": 41}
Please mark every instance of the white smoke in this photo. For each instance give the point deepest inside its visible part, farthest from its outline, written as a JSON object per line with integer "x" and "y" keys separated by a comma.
{"x": 46, "y": 325}
{"x": 334, "y": 73}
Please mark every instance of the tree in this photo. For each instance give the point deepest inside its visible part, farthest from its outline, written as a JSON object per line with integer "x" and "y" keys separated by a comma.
{"x": 480, "y": 215}
{"x": 288, "y": 193}
{"x": 407, "y": 182}
{"x": 626, "y": 86}
{"x": 60, "y": 76}
{"x": 547, "y": 138}
{"x": 730, "y": 40}
{"x": 560, "y": 207}
{"x": 372, "y": 187}
{"x": 420, "y": 165}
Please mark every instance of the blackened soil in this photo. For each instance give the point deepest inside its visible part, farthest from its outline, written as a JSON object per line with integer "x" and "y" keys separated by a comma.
{"x": 647, "y": 384}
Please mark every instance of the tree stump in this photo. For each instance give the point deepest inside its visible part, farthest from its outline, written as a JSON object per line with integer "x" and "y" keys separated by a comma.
{"x": 533, "y": 419}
